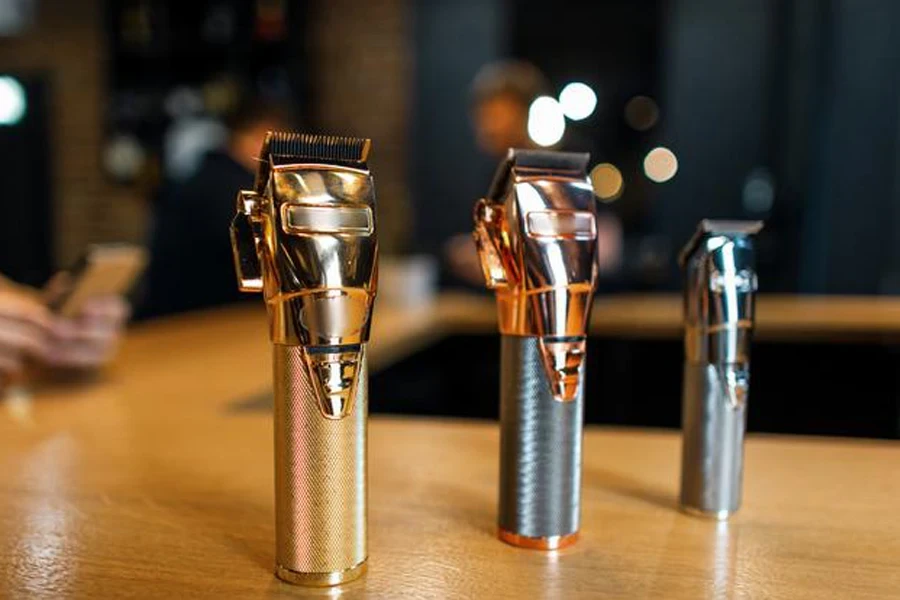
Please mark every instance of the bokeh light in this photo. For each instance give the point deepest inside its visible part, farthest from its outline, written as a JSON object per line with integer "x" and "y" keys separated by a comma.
{"x": 759, "y": 190}
{"x": 578, "y": 101}
{"x": 124, "y": 157}
{"x": 607, "y": 181}
{"x": 13, "y": 102}
{"x": 546, "y": 122}
{"x": 660, "y": 165}
{"x": 641, "y": 113}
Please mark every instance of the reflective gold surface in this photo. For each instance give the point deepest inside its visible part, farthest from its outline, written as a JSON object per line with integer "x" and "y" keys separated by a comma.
{"x": 544, "y": 284}
{"x": 320, "y": 471}
{"x": 563, "y": 360}
{"x": 306, "y": 238}
{"x": 319, "y": 287}
{"x": 537, "y": 240}
{"x": 317, "y": 259}
{"x": 334, "y": 377}
{"x": 320, "y": 579}
{"x": 246, "y": 231}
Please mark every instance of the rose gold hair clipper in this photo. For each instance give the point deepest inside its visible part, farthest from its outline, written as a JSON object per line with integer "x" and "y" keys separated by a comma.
{"x": 305, "y": 237}
{"x": 536, "y": 233}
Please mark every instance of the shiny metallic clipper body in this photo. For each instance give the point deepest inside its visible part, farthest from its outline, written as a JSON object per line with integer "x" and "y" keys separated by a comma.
{"x": 536, "y": 233}
{"x": 305, "y": 237}
{"x": 719, "y": 294}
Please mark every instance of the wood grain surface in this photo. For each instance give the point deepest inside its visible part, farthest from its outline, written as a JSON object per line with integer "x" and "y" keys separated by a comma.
{"x": 146, "y": 483}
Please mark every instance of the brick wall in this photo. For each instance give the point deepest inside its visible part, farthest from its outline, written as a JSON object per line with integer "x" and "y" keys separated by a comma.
{"x": 361, "y": 65}
{"x": 67, "y": 42}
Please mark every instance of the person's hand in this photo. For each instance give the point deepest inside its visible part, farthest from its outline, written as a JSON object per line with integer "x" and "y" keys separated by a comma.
{"x": 25, "y": 324}
{"x": 90, "y": 339}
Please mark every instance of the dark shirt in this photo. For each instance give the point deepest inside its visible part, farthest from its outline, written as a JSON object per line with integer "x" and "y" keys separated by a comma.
{"x": 191, "y": 264}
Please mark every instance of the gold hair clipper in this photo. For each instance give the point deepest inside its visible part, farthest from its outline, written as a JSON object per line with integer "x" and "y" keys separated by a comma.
{"x": 305, "y": 237}
{"x": 536, "y": 233}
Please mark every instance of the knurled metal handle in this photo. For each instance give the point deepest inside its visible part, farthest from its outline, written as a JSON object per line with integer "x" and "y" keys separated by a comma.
{"x": 320, "y": 477}
{"x": 540, "y": 451}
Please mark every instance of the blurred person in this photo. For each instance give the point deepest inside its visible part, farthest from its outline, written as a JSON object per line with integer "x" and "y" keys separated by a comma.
{"x": 30, "y": 334}
{"x": 191, "y": 264}
{"x": 501, "y": 95}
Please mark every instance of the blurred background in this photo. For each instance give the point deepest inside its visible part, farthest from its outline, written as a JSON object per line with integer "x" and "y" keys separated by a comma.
{"x": 782, "y": 110}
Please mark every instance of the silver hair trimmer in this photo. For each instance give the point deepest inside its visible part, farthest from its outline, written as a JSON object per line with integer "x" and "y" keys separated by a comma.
{"x": 720, "y": 287}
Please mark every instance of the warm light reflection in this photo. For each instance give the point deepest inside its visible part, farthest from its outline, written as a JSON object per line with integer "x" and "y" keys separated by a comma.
{"x": 332, "y": 592}
{"x": 660, "y": 165}
{"x": 18, "y": 402}
{"x": 546, "y": 122}
{"x": 641, "y": 113}
{"x": 607, "y": 181}
{"x": 724, "y": 557}
{"x": 578, "y": 101}
{"x": 45, "y": 539}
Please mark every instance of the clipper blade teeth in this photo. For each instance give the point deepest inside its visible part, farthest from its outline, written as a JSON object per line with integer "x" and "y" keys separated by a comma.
{"x": 318, "y": 148}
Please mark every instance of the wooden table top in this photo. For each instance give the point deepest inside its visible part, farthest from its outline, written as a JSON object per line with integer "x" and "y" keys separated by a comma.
{"x": 149, "y": 484}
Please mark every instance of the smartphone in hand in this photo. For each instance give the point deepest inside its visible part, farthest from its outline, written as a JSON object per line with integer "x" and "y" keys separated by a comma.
{"x": 103, "y": 270}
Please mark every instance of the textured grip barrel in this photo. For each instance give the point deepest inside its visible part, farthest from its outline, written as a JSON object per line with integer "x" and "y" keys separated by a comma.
{"x": 712, "y": 457}
{"x": 320, "y": 478}
{"x": 540, "y": 451}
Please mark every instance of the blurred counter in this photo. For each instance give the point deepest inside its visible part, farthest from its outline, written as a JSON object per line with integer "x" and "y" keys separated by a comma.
{"x": 779, "y": 318}
{"x": 399, "y": 331}
{"x": 156, "y": 482}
